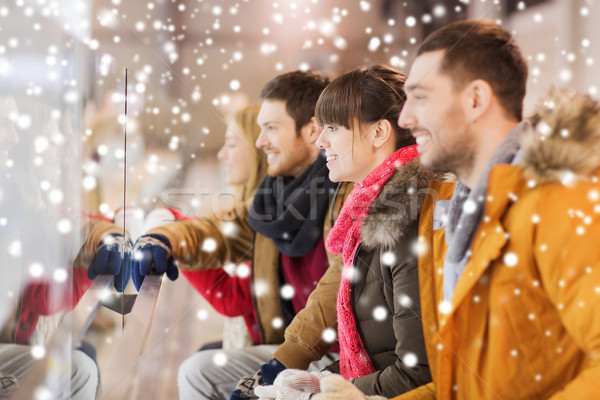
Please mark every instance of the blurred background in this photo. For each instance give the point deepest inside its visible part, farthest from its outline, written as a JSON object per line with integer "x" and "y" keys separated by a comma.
{"x": 112, "y": 105}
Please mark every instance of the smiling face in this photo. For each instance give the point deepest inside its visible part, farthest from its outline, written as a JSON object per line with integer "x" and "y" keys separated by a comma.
{"x": 288, "y": 154}
{"x": 434, "y": 112}
{"x": 350, "y": 155}
{"x": 236, "y": 155}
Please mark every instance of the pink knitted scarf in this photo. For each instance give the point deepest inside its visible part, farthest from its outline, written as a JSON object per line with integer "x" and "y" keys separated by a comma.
{"x": 344, "y": 238}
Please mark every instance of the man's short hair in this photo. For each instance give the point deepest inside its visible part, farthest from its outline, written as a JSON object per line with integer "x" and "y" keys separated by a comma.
{"x": 300, "y": 91}
{"x": 482, "y": 49}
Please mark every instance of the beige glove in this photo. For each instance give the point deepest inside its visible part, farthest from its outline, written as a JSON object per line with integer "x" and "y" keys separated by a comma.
{"x": 292, "y": 384}
{"x": 273, "y": 392}
{"x": 335, "y": 387}
{"x": 301, "y": 380}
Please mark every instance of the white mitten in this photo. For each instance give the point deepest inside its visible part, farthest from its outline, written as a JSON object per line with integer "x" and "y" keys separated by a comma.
{"x": 274, "y": 392}
{"x": 335, "y": 387}
{"x": 300, "y": 380}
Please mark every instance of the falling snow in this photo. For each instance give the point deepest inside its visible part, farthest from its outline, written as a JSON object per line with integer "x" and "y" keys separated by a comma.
{"x": 192, "y": 65}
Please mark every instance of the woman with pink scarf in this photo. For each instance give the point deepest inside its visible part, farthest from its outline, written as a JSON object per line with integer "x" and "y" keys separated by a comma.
{"x": 379, "y": 323}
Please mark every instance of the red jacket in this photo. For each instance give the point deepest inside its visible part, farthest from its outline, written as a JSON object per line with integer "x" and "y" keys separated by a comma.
{"x": 231, "y": 296}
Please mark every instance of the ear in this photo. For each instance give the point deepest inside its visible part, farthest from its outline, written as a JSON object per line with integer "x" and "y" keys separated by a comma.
{"x": 311, "y": 131}
{"x": 382, "y": 132}
{"x": 479, "y": 98}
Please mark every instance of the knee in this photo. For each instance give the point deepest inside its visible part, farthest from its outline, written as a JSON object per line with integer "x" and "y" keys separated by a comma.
{"x": 196, "y": 365}
{"x": 198, "y": 372}
{"x": 84, "y": 374}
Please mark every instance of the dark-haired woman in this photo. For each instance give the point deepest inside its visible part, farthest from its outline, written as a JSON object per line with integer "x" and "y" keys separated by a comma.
{"x": 382, "y": 350}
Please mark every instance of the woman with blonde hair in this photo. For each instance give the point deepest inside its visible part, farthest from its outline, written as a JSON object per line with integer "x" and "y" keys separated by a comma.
{"x": 245, "y": 167}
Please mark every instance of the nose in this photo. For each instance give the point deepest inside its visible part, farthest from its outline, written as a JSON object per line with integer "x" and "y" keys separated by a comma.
{"x": 221, "y": 154}
{"x": 261, "y": 140}
{"x": 406, "y": 119}
{"x": 321, "y": 141}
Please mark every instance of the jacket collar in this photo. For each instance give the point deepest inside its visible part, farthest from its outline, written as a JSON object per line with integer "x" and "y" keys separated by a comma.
{"x": 397, "y": 207}
{"x": 560, "y": 146}
{"x": 563, "y": 144}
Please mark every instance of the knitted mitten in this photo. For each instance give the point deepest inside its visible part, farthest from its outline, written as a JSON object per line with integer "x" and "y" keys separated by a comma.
{"x": 8, "y": 385}
{"x": 335, "y": 387}
{"x": 301, "y": 380}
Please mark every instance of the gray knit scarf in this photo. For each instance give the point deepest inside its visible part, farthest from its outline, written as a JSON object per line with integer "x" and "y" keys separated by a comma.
{"x": 466, "y": 210}
{"x": 291, "y": 210}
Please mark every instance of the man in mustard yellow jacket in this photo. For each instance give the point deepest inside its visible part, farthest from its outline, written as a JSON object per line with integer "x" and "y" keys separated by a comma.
{"x": 509, "y": 262}
{"x": 510, "y": 269}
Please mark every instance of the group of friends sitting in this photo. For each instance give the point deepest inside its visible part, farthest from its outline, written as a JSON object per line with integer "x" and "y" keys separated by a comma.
{"x": 402, "y": 236}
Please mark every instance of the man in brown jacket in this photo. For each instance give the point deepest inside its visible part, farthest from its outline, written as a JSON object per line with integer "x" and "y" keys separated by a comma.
{"x": 282, "y": 232}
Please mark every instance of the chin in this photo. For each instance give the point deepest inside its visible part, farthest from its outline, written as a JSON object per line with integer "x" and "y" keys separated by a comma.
{"x": 273, "y": 171}
{"x": 334, "y": 178}
{"x": 425, "y": 161}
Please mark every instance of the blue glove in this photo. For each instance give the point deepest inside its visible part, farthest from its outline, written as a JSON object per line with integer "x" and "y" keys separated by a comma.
{"x": 244, "y": 390}
{"x": 112, "y": 257}
{"x": 152, "y": 251}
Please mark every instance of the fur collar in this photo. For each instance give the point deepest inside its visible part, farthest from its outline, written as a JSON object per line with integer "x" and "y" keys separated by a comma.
{"x": 563, "y": 144}
{"x": 397, "y": 207}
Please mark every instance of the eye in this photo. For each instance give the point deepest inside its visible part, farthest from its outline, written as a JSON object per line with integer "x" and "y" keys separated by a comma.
{"x": 331, "y": 128}
{"x": 417, "y": 96}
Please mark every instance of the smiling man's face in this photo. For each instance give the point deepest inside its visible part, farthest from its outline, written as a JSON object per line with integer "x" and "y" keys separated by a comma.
{"x": 434, "y": 112}
{"x": 288, "y": 153}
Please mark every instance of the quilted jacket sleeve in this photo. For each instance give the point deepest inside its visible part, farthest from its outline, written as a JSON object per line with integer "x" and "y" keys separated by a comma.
{"x": 202, "y": 243}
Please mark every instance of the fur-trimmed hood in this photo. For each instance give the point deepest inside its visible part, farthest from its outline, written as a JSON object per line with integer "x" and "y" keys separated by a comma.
{"x": 398, "y": 206}
{"x": 563, "y": 144}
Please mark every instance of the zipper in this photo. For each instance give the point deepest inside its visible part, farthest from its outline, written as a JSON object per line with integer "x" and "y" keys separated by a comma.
{"x": 358, "y": 329}
{"x": 254, "y": 300}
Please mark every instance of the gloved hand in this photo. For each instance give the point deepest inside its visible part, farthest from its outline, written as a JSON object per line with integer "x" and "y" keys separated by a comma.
{"x": 8, "y": 385}
{"x": 273, "y": 392}
{"x": 335, "y": 387}
{"x": 112, "y": 257}
{"x": 265, "y": 376}
{"x": 292, "y": 384}
{"x": 152, "y": 250}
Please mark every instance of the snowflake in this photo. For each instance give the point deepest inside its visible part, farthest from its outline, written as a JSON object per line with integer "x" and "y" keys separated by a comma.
{"x": 374, "y": 44}
{"x": 260, "y": 288}
{"x": 388, "y": 258}
{"x": 202, "y": 315}
{"x": 60, "y": 275}
{"x": 380, "y": 313}
{"x": 277, "y": 323}
{"x": 243, "y": 271}
{"x": 287, "y": 291}
{"x": 329, "y": 335}
{"x": 469, "y": 207}
{"x": 209, "y": 245}
{"x": 64, "y": 226}
{"x": 410, "y": 360}
{"x": 219, "y": 359}
{"x": 405, "y": 301}
{"x": 445, "y": 307}
{"x": 38, "y": 352}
